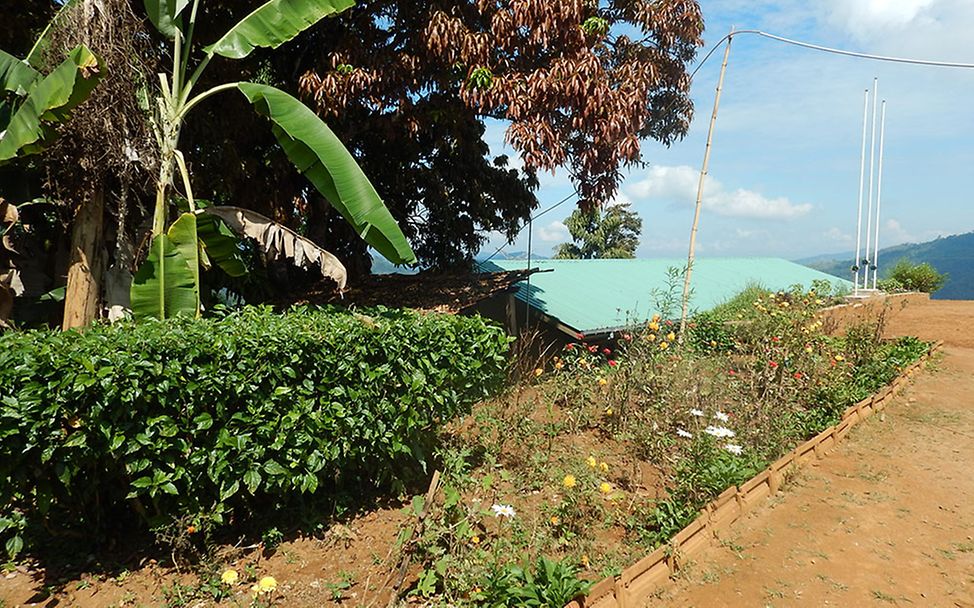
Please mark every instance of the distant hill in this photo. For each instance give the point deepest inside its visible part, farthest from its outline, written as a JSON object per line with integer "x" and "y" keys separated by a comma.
{"x": 952, "y": 254}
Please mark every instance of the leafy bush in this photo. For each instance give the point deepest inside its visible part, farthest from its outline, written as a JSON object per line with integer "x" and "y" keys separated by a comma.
{"x": 549, "y": 583}
{"x": 228, "y": 416}
{"x": 916, "y": 277}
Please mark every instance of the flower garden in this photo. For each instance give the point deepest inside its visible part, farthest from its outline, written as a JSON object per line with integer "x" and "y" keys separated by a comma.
{"x": 228, "y": 469}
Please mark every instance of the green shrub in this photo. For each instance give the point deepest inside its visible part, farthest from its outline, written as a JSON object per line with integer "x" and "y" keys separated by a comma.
{"x": 917, "y": 277}
{"x": 229, "y": 416}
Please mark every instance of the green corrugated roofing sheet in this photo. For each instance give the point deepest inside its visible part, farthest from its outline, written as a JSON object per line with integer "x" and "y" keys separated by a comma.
{"x": 593, "y": 296}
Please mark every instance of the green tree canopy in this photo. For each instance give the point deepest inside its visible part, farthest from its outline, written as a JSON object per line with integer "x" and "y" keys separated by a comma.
{"x": 609, "y": 233}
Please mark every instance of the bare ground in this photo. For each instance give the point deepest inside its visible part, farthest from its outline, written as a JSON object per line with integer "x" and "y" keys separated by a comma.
{"x": 886, "y": 520}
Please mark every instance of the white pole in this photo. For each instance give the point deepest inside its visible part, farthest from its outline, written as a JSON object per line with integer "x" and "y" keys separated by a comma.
{"x": 862, "y": 183}
{"x": 879, "y": 194}
{"x": 872, "y": 170}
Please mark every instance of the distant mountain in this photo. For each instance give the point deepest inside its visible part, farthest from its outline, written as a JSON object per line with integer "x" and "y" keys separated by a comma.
{"x": 952, "y": 254}
{"x": 511, "y": 255}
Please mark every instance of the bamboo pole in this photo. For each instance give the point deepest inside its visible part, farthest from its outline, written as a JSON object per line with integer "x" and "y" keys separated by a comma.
{"x": 703, "y": 176}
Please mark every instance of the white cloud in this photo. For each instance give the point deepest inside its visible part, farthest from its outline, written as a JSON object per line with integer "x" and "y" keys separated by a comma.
{"x": 679, "y": 185}
{"x": 555, "y": 232}
{"x": 837, "y": 235}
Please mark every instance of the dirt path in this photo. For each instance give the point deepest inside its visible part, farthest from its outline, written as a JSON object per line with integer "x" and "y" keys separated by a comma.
{"x": 886, "y": 520}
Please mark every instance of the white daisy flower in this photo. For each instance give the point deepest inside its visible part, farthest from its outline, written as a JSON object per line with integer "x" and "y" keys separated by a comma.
{"x": 684, "y": 434}
{"x": 720, "y": 432}
{"x": 721, "y": 416}
{"x": 733, "y": 448}
{"x": 503, "y": 511}
{"x": 697, "y": 413}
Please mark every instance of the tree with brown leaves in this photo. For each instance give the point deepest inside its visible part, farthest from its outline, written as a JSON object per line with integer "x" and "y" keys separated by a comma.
{"x": 580, "y": 84}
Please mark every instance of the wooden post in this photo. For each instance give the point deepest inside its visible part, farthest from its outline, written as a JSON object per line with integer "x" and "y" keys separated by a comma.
{"x": 85, "y": 270}
{"x": 703, "y": 175}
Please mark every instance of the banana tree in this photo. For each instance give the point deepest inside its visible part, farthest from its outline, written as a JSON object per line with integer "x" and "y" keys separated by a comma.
{"x": 168, "y": 283}
{"x": 32, "y": 103}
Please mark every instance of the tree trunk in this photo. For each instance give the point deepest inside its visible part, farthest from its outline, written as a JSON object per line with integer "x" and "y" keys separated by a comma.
{"x": 81, "y": 298}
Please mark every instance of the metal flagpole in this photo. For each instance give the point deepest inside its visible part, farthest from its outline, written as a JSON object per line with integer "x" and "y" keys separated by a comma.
{"x": 879, "y": 194}
{"x": 872, "y": 167}
{"x": 703, "y": 176}
{"x": 862, "y": 183}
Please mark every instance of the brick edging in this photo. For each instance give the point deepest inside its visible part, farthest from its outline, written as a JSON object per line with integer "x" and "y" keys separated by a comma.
{"x": 644, "y": 578}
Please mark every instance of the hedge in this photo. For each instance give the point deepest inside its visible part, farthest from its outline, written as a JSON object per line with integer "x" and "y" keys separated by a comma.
{"x": 228, "y": 415}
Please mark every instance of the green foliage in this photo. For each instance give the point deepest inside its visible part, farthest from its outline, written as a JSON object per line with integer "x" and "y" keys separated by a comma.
{"x": 613, "y": 233}
{"x": 549, "y": 583}
{"x": 917, "y": 277}
{"x": 274, "y": 23}
{"x": 710, "y": 333}
{"x": 741, "y": 302}
{"x": 228, "y": 417}
{"x": 167, "y": 284}
{"x": 45, "y": 101}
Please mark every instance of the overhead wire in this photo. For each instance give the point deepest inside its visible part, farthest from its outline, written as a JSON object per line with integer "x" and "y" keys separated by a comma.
{"x": 791, "y": 41}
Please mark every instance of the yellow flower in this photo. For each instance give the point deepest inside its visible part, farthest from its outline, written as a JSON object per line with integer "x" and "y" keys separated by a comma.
{"x": 603, "y": 381}
{"x": 538, "y": 372}
{"x": 555, "y": 520}
{"x": 559, "y": 365}
{"x": 713, "y": 343}
{"x": 839, "y": 358}
{"x": 267, "y": 584}
{"x": 808, "y": 349}
{"x": 584, "y": 561}
{"x": 608, "y": 411}
{"x": 656, "y": 318}
{"x": 651, "y": 337}
{"x": 474, "y": 540}
{"x": 591, "y": 462}
{"x": 603, "y": 467}
{"x": 230, "y": 577}
{"x": 671, "y": 336}
{"x": 605, "y": 487}
{"x": 255, "y": 590}
{"x": 654, "y": 326}
{"x": 663, "y": 345}
{"x": 568, "y": 481}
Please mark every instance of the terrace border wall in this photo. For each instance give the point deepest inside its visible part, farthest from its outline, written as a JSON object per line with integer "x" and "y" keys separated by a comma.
{"x": 637, "y": 583}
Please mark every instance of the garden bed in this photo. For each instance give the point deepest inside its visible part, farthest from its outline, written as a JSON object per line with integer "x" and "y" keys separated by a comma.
{"x": 596, "y": 460}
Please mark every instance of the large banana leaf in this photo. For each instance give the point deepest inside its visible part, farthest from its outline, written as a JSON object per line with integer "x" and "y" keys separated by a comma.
{"x": 277, "y": 241}
{"x": 273, "y": 24}
{"x": 164, "y": 14}
{"x": 320, "y": 155}
{"x": 219, "y": 245}
{"x": 167, "y": 284}
{"x": 50, "y": 101}
{"x": 16, "y": 76}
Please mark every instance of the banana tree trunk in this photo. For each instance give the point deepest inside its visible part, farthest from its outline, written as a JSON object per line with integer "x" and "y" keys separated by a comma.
{"x": 81, "y": 299}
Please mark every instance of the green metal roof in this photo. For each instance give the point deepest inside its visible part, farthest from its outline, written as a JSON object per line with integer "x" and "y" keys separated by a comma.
{"x": 597, "y": 296}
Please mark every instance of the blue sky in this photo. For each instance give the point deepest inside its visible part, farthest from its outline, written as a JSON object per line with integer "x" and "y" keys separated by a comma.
{"x": 785, "y": 165}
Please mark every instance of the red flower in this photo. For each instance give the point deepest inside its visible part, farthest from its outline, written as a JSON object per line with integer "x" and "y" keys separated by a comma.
{"x": 570, "y": 346}
{"x": 775, "y": 339}
{"x": 613, "y": 363}
{"x": 580, "y": 336}
{"x": 606, "y": 352}
{"x": 798, "y": 375}
{"x": 593, "y": 348}
{"x": 668, "y": 322}
{"x": 773, "y": 364}
{"x": 731, "y": 372}
{"x": 627, "y": 337}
